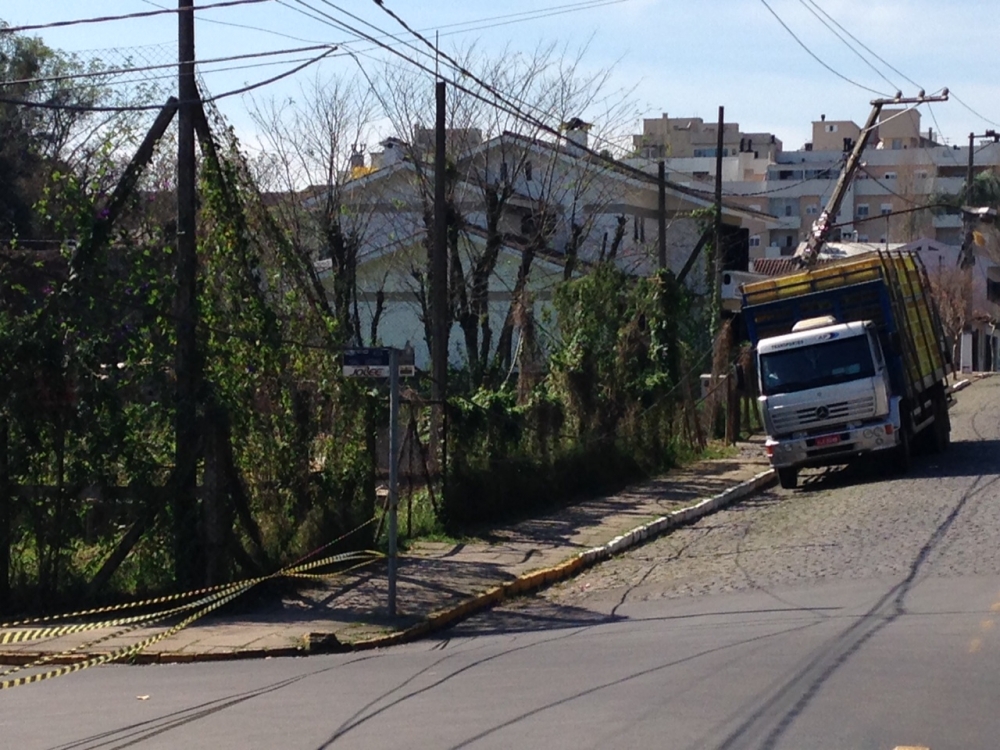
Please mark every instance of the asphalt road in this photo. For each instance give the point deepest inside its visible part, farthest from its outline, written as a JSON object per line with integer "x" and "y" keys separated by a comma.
{"x": 857, "y": 612}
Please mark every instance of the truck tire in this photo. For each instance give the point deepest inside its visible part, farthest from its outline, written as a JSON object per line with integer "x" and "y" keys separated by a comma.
{"x": 788, "y": 478}
{"x": 903, "y": 453}
{"x": 942, "y": 424}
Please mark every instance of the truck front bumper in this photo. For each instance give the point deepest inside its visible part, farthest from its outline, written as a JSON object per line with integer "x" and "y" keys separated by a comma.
{"x": 835, "y": 446}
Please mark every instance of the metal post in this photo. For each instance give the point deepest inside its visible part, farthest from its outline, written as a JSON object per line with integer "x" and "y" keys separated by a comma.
{"x": 393, "y": 473}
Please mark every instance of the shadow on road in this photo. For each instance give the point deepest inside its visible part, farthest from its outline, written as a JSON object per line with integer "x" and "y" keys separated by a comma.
{"x": 965, "y": 458}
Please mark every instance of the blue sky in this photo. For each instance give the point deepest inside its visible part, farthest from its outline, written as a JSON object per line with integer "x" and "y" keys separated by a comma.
{"x": 681, "y": 57}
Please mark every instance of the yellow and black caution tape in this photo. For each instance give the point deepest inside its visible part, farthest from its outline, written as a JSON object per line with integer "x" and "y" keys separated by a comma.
{"x": 39, "y": 634}
{"x": 116, "y": 607}
{"x": 211, "y": 598}
{"x": 125, "y": 651}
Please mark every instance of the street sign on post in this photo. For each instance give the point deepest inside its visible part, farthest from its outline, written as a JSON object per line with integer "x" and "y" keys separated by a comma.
{"x": 373, "y": 362}
{"x": 368, "y": 362}
{"x": 383, "y": 362}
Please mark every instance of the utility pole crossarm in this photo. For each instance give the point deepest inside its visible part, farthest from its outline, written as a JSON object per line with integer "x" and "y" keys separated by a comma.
{"x": 821, "y": 228}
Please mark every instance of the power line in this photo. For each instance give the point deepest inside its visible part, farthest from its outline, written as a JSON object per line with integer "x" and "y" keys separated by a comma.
{"x": 500, "y": 101}
{"x": 864, "y": 46}
{"x": 124, "y": 17}
{"x": 140, "y": 69}
{"x": 851, "y": 47}
{"x": 243, "y": 26}
{"x": 478, "y": 24}
{"x": 977, "y": 114}
{"x": 816, "y": 57}
{"x": 151, "y": 107}
{"x": 864, "y": 219}
{"x": 888, "y": 189}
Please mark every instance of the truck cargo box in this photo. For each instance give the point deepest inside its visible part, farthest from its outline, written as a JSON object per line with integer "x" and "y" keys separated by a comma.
{"x": 889, "y": 289}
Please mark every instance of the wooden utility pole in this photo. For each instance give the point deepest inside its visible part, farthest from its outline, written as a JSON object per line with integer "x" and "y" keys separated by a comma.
{"x": 439, "y": 278}
{"x": 6, "y": 502}
{"x": 185, "y": 506}
{"x": 661, "y": 213}
{"x": 717, "y": 256}
{"x": 968, "y": 172}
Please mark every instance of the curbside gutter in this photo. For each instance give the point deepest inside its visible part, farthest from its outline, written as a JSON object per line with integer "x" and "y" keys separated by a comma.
{"x": 539, "y": 579}
{"x": 960, "y": 385}
{"x": 325, "y": 643}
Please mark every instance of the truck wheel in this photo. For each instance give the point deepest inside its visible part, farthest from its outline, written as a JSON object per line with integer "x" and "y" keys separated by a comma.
{"x": 788, "y": 478}
{"x": 942, "y": 424}
{"x": 903, "y": 452}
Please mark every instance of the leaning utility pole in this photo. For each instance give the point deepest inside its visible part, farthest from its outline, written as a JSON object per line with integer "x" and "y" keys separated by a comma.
{"x": 185, "y": 507}
{"x": 823, "y": 226}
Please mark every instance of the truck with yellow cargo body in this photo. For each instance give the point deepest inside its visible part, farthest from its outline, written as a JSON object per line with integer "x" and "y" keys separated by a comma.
{"x": 851, "y": 360}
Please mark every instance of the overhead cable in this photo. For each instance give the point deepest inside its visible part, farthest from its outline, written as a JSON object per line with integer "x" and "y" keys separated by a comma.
{"x": 849, "y": 46}
{"x": 124, "y": 16}
{"x": 140, "y": 69}
{"x": 816, "y": 57}
{"x": 151, "y": 107}
{"x": 864, "y": 46}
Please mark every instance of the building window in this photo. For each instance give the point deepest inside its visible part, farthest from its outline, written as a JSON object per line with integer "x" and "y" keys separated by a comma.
{"x": 885, "y": 208}
{"x": 890, "y": 175}
{"x": 812, "y": 209}
{"x": 862, "y": 238}
{"x": 897, "y": 144}
{"x": 831, "y": 128}
{"x": 527, "y": 171}
{"x": 920, "y": 174}
{"x": 755, "y": 241}
{"x": 993, "y": 291}
{"x": 788, "y": 209}
{"x": 862, "y": 209}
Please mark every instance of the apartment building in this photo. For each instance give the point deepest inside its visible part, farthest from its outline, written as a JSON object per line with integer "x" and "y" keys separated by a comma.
{"x": 904, "y": 171}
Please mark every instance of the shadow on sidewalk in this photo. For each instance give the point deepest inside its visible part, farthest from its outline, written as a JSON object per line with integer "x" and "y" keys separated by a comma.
{"x": 541, "y": 616}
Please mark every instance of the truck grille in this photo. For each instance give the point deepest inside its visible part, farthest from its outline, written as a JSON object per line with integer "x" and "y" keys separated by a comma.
{"x": 820, "y": 415}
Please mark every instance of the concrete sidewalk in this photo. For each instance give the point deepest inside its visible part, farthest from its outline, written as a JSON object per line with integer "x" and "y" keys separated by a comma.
{"x": 438, "y": 583}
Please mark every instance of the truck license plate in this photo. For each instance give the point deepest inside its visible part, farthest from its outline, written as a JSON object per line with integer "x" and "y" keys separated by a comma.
{"x": 827, "y": 440}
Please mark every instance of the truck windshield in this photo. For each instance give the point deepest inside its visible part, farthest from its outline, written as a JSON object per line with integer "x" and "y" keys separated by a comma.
{"x": 834, "y": 361}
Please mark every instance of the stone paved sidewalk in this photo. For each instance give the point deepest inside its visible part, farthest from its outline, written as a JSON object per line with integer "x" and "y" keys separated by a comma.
{"x": 433, "y": 577}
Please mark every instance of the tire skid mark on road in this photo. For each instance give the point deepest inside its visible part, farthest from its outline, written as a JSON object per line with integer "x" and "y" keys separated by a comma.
{"x": 773, "y": 716}
{"x": 635, "y": 675}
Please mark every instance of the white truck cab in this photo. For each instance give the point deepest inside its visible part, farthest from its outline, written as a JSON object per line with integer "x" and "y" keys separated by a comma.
{"x": 825, "y": 395}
